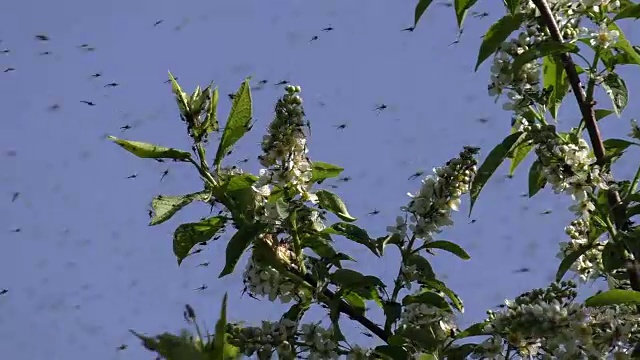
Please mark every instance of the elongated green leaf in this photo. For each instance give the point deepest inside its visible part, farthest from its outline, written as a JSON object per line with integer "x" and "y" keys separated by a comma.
{"x": 476, "y": 329}
{"x": 210, "y": 123}
{"x": 491, "y": 163}
{"x": 424, "y": 267}
{"x": 321, "y": 171}
{"x": 220, "y": 336}
{"x": 603, "y": 113}
{"x": 536, "y": 178}
{"x": 614, "y": 297}
{"x": 462, "y": 7}
{"x": 554, "y": 77}
{"x": 427, "y": 297}
{"x": 353, "y": 233}
{"x": 351, "y": 279}
{"x": 497, "y": 34}
{"x": 614, "y": 148}
{"x": 332, "y": 202}
{"x": 512, "y": 5}
{"x": 150, "y": 151}
{"x": 188, "y": 235}
{"x": 632, "y": 56}
{"x": 448, "y": 246}
{"x": 616, "y": 88}
{"x": 542, "y": 49}
{"x": 238, "y": 121}
{"x": 438, "y": 285}
{"x": 238, "y": 244}
{"x": 628, "y": 12}
{"x": 393, "y": 352}
{"x": 165, "y": 206}
{"x": 569, "y": 260}
{"x": 519, "y": 154}
{"x": 421, "y": 7}
{"x": 182, "y": 99}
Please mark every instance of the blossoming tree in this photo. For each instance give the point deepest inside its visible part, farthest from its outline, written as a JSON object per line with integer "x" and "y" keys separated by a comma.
{"x": 288, "y": 222}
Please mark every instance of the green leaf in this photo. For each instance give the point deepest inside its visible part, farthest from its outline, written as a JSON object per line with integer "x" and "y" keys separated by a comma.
{"x": 392, "y": 312}
{"x": 188, "y": 235}
{"x": 429, "y": 298}
{"x": 617, "y": 91}
{"x": 537, "y": 181}
{"x": 448, "y": 246}
{"x": 614, "y": 148}
{"x": 424, "y": 356}
{"x": 321, "y": 171}
{"x": 210, "y": 123}
{"x": 460, "y": 351}
{"x": 554, "y": 77}
{"x": 623, "y": 45}
{"x": 603, "y": 113}
{"x": 355, "y": 234}
{"x": 512, "y": 5}
{"x": 519, "y": 154}
{"x": 296, "y": 311}
{"x": 182, "y": 99}
{"x": 332, "y": 202}
{"x": 238, "y": 121}
{"x": 421, "y": 7}
{"x": 476, "y": 329}
{"x": 632, "y": 11}
{"x": 569, "y": 260}
{"x": 323, "y": 248}
{"x": 150, "y": 151}
{"x": 356, "y": 301}
{"x": 236, "y": 247}
{"x": 393, "y": 352}
{"x": 497, "y": 34}
{"x": 614, "y": 297}
{"x": 350, "y": 279}
{"x": 220, "y": 339}
{"x": 612, "y": 258}
{"x": 165, "y": 206}
{"x": 491, "y": 163}
{"x": 423, "y": 266}
{"x": 542, "y": 49}
{"x": 462, "y": 7}
{"x": 438, "y": 285}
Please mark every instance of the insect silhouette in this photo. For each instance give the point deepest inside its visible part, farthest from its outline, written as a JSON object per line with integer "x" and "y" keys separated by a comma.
{"x": 164, "y": 174}
{"x": 457, "y": 40}
{"x": 245, "y": 160}
{"x": 546, "y": 212}
{"x": 345, "y": 179}
{"x": 159, "y": 160}
{"x": 416, "y": 175}
{"x": 283, "y": 82}
{"x": 16, "y": 230}
{"x": 5, "y": 51}
{"x": 4, "y": 291}
{"x": 479, "y": 15}
{"x": 328, "y": 28}
{"x": 122, "y": 347}
{"x": 341, "y": 126}
{"x": 314, "y": 38}
{"x": 483, "y": 120}
{"x": 204, "y": 264}
{"x": 263, "y": 82}
{"x": 42, "y": 37}
{"x": 446, "y": 4}
{"x": 158, "y": 22}
{"x": 132, "y": 176}
{"x": 113, "y": 84}
{"x": 196, "y": 251}
{"x": 203, "y": 287}
{"x": 168, "y": 81}
{"x": 380, "y": 108}
{"x": 374, "y": 212}
{"x": 150, "y": 213}
{"x": 409, "y": 29}
{"x": 126, "y": 127}
{"x": 231, "y": 96}
{"x": 45, "y": 53}
{"x": 96, "y": 75}
{"x": 333, "y": 186}
{"x": 88, "y": 102}
{"x": 521, "y": 270}
{"x": 473, "y": 221}
{"x": 9, "y": 69}
{"x": 15, "y": 196}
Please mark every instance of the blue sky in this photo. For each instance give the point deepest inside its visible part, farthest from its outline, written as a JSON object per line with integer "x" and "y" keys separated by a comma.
{"x": 85, "y": 266}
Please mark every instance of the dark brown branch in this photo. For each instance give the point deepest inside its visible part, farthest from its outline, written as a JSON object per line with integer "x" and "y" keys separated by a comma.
{"x": 589, "y": 116}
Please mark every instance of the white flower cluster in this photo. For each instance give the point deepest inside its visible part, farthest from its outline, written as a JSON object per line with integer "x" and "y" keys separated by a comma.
{"x": 359, "y": 353}
{"x": 422, "y": 315}
{"x": 318, "y": 342}
{"x": 285, "y": 149}
{"x": 430, "y": 208}
{"x": 589, "y": 265}
{"x": 262, "y": 280}
{"x": 272, "y": 337}
{"x": 524, "y": 87}
{"x": 548, "y": 324}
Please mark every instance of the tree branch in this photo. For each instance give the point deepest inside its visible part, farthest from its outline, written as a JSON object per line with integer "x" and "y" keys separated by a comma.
{"x": 589, "y": 116}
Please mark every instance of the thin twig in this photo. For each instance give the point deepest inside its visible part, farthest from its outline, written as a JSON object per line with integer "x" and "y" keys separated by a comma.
{"x": 589, "y": 116}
